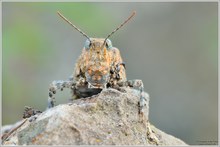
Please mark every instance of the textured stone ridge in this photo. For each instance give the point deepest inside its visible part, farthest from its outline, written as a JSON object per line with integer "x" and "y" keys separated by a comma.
{"x": 109, "y": 118}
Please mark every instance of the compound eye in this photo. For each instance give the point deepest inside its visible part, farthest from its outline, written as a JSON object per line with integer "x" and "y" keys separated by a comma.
{"x": 108, "y": 44}
{"x": 87, "y": 44}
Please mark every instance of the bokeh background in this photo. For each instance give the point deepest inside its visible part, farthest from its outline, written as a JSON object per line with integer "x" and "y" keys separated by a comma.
{"x": 171, "y": 46}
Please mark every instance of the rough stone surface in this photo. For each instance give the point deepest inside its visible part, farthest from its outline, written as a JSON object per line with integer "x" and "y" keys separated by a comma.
{"x": 109, "y": 118}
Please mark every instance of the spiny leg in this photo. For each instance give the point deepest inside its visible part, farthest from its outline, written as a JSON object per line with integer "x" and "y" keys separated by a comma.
{"x": 143, "y": 105}
{"x": 58, "y": 85}
{"x": 138, "y": 84}
{"x": 143, "y": 100}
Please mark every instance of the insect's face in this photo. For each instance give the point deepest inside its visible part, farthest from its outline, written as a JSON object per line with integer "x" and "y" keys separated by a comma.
{"x": 98, "y": 65}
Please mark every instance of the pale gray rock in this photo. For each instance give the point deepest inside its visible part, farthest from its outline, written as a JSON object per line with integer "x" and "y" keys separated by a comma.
{"x": 109, "y": 118}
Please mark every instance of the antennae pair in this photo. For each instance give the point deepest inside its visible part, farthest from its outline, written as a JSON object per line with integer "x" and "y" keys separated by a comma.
{"x": 84, "y": 34}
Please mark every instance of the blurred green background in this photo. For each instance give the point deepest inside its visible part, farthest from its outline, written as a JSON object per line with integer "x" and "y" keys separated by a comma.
{"x": 171, "y": 46}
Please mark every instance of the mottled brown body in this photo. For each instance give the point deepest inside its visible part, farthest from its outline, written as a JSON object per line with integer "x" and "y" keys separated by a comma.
{"x": 99, "y": 66}
{"x": 97, "y": 63}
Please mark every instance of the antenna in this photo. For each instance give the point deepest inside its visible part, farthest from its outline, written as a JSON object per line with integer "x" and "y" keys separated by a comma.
{"x": 75, "y": 27}
{"x": 132, "y": 15}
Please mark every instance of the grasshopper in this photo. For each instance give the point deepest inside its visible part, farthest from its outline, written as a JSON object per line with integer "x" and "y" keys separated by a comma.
{"x": 99, "y": 66}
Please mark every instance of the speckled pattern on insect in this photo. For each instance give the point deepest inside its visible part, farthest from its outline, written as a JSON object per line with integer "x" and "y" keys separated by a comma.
{"x": 99, "y": 66}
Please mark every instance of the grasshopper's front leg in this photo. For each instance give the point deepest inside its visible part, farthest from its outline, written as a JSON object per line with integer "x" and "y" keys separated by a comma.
{"x": 59, "y": 85}
{"x": 138, "y": 84}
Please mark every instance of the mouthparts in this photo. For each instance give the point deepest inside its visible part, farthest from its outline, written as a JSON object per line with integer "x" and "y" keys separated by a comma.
{"x": 96, "y": 85}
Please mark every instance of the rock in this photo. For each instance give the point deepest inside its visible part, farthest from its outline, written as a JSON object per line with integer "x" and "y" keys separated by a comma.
{"x": 109, "y": 118}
